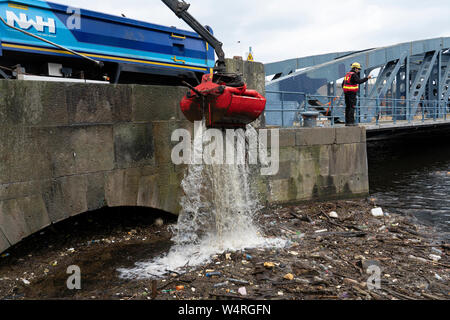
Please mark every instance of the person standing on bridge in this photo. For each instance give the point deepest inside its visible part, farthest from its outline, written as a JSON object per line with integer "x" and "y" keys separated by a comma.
{"x": 350, "y": 85}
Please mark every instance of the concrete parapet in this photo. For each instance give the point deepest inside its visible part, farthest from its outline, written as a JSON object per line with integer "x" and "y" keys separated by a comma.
{"x": 315, "y": 136}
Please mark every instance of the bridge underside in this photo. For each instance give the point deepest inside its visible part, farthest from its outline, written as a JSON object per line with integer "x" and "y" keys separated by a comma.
{"x": 413, "y": 77}
{"x": 431, "y": 129}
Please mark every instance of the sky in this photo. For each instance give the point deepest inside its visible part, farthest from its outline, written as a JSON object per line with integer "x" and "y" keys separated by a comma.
{"x": 284, "y": 29}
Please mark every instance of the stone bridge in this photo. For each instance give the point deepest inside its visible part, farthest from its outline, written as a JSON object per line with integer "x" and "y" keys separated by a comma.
{"x": 66, "y": 149}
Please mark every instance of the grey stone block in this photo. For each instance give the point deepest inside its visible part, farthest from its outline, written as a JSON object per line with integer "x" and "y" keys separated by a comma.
{"x": 162, "y": 133}
{"x": 121, "y": 187}
{"x": 12, "y": 221}
{"x": 22, "y": 216}
{"x": 75, "y": 190}
{"x": 23, "y": 155}
{"x": 148, "y": 194}
{"x": 35, "y": 212}
{"x": 350, "y": 135}
{"x": 284, "y": 171}
{"x": 133, "y": 145}
{"x": 32, "y": 103}
{"x": 342, "y": 159}
{"x": 95, "y": 196}
{"x": 55, "y": 201}
{"x": 358, "y": 184}
{"x": 315, "y": 136}
{"x": 157, "y": 103}
{"x": 252, "y": 73}
{"x": 78, "y": 150}
{"x": 96, "y": 103}
{"x": 19, "y": 190}
{"x": 287, "y": 137}
{"x": 278, "y": 191}
{"x": 65, "y": 197}
{"x": 4, "y": 243}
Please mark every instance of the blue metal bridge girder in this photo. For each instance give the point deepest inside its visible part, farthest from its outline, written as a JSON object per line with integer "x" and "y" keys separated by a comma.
{"x": 332, "y": 70}
{"x": 419, "y": 85}
{"x": 291, "y": 65}
{"x": 390, "y": 76}
{"x": 445, "y": 82}
{"x": 401, "y": 63}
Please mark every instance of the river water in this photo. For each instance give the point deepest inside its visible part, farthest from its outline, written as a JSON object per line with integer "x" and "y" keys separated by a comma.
{"x": 413, "y": 177}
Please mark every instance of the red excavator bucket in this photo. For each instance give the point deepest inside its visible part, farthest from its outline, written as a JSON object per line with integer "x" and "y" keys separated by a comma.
{"x": 222, "y": 106}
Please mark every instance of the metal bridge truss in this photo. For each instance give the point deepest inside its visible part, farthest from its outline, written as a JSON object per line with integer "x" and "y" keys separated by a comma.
{"x": 409, "y": 74}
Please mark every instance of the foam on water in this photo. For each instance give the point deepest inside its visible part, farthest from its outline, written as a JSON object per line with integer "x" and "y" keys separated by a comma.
{"x": 217, "y": 215}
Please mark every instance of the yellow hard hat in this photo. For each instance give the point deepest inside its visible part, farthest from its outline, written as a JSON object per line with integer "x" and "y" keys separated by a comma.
{"x": 356, "y": 65}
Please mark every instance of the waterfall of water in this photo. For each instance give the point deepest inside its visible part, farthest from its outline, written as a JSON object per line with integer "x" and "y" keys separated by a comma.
{"x": 218, "y": 210}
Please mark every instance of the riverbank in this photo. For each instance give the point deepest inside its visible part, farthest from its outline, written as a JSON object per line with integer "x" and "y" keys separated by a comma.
{"x": 331, "y": 246}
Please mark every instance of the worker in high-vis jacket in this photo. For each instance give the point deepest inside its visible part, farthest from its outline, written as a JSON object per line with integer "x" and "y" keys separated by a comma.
{"x": 350, "y": 85}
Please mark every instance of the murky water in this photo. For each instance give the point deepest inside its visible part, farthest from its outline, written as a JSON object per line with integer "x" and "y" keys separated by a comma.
{"x": 217, "y": 216}
{"x": 413, "y": 176}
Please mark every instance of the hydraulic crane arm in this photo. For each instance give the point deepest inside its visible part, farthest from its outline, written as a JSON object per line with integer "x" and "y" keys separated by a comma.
{"x": 221, "y": 99}
{"x": 180, "y": 9}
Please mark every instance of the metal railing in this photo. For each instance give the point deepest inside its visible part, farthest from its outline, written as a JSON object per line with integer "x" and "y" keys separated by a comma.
{"x": 286, "y": 98}
{"x": 368, "y": 110}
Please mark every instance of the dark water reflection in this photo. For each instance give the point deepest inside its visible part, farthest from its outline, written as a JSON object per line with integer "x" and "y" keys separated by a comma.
{"x": 413, "y": 176}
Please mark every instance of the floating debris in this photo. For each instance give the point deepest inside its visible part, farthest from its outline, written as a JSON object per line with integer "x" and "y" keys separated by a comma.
{"x": 289, "y": 276}
{"x": 242, "y": 291}
{"x": 333, "y": 214}
{"x": 377, "y": 212}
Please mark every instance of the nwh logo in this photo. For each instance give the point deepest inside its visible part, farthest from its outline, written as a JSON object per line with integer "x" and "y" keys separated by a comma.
{"x": 24, "y": 23}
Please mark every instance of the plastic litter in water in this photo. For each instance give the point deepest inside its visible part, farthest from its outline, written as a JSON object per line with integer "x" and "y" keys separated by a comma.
{"x": 435, "y": 257}
{"x": 242, "y": 291}
{"x": 333, "y": 214}
{"x": 212, "y": 274}
{"x": 377, "y": 212}
{"x": 289, "y": 276}
{"x": 221, "y": 284}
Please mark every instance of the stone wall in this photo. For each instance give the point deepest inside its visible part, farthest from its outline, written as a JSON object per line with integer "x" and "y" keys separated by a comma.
{"x": 318, "y": 164}
{"x": 70, "y": 148}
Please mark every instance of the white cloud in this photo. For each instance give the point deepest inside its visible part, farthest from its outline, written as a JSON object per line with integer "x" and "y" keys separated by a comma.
{"x": 285, "y": 29}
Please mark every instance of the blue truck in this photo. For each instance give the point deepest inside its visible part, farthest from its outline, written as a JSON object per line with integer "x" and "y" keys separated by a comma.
{"x": 46, "y": 40}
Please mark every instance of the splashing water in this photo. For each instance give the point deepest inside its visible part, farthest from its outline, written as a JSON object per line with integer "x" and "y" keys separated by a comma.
{"x": 217, "y": 215}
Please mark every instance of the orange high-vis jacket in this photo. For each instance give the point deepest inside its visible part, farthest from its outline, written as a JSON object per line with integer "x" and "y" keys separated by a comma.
{"x": 347, "y": 86}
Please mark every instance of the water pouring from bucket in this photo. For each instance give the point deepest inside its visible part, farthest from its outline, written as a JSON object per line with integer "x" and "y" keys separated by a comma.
{"x": 218, "y": 210}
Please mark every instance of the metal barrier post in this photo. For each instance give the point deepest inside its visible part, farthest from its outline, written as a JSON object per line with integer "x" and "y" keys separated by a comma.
{"x": 435, "y": 109}
{"x": 282, "y": 109}
{"x": 408, "y": 109}
{"x": 306, "y": 102}
{"x": 394, "y": 112}
{"x": 331, "y": 112}
{"x": 445, "y": 110}
{"x": 423, "y": 112}
{"x": 377, "y": 102}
